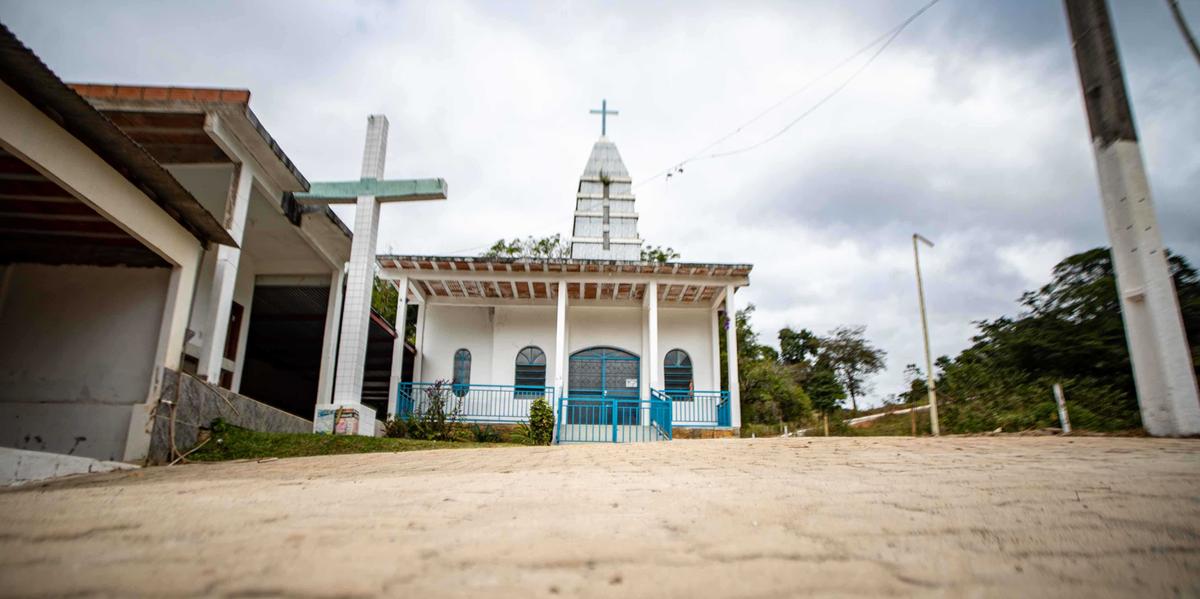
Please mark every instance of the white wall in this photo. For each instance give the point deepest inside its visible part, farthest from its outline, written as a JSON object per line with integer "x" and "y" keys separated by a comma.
{"x": 689, "y": 329}
{"x": 86, "y": 336}
{"x": 450, "y": 328}
{"x": 614, "y": 326}
{"x": 495, "y": 335}
{"x": 518, "y": 327}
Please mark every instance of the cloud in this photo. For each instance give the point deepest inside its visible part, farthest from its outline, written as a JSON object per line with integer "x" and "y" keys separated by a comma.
{"x": 969, "y": 128}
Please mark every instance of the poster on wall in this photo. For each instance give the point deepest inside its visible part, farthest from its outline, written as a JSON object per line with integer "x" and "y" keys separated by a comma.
{"x": 337, "y": 420}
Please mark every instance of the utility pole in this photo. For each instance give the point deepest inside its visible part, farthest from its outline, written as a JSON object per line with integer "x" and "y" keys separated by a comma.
{"x": 933, "y": 416}
{"x": 1158, "y": 349}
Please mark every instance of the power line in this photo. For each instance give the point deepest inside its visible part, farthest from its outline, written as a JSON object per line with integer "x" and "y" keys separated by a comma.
{"x": 1183, "y": 28}
{"x": 885, "y": 39}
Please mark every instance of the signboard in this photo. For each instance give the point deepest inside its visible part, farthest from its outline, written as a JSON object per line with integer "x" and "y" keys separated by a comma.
{"x": 337, "y": 420}
{"x": 631, "y": 383}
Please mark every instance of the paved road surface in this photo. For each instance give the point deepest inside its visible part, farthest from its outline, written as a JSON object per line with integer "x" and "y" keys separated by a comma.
{"x": 757, "y": 518}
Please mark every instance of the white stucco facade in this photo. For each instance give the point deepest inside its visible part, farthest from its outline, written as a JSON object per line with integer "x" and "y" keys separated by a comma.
{"x": 495, "y": 308}
{"x": 495, "y": 334}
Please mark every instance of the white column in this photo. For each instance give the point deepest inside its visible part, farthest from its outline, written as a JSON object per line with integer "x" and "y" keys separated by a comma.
{"x": 398, "y": 346}
{"x": 735, "y": 393}
{"x": 652, "y": 346}
{"x": 651, "y": 357}
{"x": 716, "y": 348}
{"x": 215, "y": 323}
{"x": 180, "y": 292}
{"x": 167, "y": 355}
{"x": 333, "y": 321}
{"x": 1162, "y": 365}
{"x": 644, "y": 368}
{"x": 560, "y": 341}
{"x": 356, "y": 314}
{"x": 422, "y": 306}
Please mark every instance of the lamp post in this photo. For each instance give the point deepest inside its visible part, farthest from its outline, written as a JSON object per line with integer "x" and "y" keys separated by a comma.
{"x": 933, "y": 415}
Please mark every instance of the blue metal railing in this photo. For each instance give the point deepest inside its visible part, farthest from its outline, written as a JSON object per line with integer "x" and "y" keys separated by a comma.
{"x": 612, "y": 419}
{"x": 696, "y": 409}
{"x": 474, "y": 403}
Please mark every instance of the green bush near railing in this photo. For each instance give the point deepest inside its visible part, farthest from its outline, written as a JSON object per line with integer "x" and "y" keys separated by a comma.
{"x": 435, "y": 419}
{"x": 541, "y": 422}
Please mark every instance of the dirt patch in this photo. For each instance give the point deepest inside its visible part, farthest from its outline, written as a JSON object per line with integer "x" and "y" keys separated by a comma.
{"x": 1007, "y": 516}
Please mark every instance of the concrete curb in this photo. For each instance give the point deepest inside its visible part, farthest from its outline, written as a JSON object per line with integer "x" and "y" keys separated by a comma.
{"x": 20, "y": 466}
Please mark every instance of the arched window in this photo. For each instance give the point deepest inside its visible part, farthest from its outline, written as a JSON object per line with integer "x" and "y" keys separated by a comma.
{"x": 531, "y": 371}
{"x": 462, "y": 372}
{"x": 677, "y": 374}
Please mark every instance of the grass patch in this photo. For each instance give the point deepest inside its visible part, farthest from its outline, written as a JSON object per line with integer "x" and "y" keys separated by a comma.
{"x": 234, "y": 443}
{"x": 892, "y": 425}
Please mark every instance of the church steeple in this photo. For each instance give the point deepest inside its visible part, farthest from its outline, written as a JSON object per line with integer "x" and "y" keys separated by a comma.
{"x": 605, "y": 219}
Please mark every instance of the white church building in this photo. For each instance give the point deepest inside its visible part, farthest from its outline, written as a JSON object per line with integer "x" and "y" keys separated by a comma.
{"x": 624, "y": 350}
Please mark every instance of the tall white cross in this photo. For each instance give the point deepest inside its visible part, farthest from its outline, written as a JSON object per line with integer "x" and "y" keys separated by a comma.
{"x": 369, "y": 192}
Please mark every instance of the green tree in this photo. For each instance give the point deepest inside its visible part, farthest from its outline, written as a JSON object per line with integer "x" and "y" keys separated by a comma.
{"x": 917, "y": 388}
{"x": 825, "y": 392}
{"x": 553, "y": 247}
{"x": 383, "y": 299}
{"x": 798, "y": 347}
{"x": 658, "y": 253}
{"x": 1069, "y": 331}
{"x": 847, "y": 353}
{"x": 769, "y": 392}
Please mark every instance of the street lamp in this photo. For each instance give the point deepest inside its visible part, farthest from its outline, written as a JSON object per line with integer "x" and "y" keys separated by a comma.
{"x": 933, "y": 415}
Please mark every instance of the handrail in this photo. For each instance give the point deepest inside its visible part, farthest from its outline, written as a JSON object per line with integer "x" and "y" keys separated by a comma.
{"x": 696, "y": 408}
{"x": 475, "y": 402}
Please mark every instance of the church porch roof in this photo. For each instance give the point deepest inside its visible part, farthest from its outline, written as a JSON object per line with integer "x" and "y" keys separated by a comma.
{"x": 457, "y": 279}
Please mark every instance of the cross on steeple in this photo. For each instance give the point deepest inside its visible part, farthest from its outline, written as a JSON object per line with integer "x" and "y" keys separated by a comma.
{"x": 604, "y": 112}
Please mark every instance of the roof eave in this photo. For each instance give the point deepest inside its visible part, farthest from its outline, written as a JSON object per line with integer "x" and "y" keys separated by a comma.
{"x": 22, "y": 70}
{"x": 231, "y": 104}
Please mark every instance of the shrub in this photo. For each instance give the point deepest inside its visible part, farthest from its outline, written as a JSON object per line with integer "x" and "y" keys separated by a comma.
{"x": 396, "y": 428}
{"x": 541, "y": 422}
{"x": 435, "y": 418}
{"x": 521, "y": 434}
{"x": 485, "y": 434}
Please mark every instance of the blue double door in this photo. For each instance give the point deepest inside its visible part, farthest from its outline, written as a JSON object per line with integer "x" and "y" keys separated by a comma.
{"x": 613, "y": 377}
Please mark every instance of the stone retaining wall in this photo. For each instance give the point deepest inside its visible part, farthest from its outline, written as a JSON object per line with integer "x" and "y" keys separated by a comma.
{"x": 198, "y": 404}
{"x": 703, "y": 433}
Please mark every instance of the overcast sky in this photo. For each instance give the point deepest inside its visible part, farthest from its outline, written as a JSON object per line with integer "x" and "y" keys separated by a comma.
{"x": 969, "y": 129}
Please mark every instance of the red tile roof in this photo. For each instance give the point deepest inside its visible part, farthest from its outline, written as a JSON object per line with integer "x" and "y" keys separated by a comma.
{"x": 158, "y": 93}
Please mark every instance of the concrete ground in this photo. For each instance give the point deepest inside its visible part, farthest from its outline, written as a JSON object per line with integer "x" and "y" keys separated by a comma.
{"x": 714, "y": 518}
